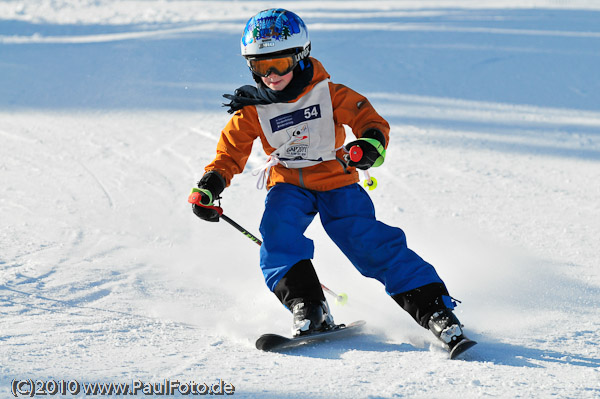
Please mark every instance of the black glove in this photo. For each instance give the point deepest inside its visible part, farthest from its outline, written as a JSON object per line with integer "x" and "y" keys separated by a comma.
{"x": 372, "y": 145}
{"x": 205, "y": 213}
{"x": 211, "y": 185}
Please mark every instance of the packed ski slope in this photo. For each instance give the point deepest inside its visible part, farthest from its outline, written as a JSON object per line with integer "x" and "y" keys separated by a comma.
{"x": 109, "y": 111}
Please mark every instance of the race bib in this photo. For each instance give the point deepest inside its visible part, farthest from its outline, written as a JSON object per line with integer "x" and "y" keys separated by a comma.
{"x": 302, "y": 133}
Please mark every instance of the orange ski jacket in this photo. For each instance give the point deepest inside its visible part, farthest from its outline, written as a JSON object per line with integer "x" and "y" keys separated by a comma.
{"x": 349, "y": 108}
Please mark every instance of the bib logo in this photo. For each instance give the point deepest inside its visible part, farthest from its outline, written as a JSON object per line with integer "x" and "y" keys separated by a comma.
{"x": 299, "y": 142}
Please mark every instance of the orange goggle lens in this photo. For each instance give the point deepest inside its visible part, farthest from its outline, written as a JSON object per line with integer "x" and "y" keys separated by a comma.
{"x": 280, "y": 65}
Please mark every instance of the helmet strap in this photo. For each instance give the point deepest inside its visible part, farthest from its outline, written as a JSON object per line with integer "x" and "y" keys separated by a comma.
{"x": 301, "y": 64}
{"x": 304, "y": 53}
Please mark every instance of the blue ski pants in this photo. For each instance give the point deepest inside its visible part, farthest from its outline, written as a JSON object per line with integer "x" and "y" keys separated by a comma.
{"x": 348, "y": 216}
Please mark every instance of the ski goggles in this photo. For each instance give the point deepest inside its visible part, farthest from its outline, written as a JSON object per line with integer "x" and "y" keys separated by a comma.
{"x": 281, "y": 65}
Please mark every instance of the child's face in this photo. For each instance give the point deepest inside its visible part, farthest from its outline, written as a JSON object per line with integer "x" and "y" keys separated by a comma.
{"x": 276, "y": 82}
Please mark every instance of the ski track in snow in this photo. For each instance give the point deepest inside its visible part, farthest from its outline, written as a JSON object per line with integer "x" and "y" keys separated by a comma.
{"x": 110, "y": 110}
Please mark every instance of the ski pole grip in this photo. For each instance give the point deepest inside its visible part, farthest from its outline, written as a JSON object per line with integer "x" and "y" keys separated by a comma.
{"x": 198, "y": 195}
{"x": 356, "y": 153}
{"x": 196, "y": 199}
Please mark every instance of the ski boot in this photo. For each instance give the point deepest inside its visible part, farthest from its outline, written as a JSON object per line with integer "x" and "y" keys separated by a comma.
{"x": 310, "y": 317}
{"x": 445, "y": 326}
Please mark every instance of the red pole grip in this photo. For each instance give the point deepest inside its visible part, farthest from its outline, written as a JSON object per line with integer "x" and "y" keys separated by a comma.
{"x": 356, "y": 153}
{"x": 195, "y": 199}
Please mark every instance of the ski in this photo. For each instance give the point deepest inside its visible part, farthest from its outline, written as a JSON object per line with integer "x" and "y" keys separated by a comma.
{"x": 276, "y": 342}
{"x": 460, "y": 347}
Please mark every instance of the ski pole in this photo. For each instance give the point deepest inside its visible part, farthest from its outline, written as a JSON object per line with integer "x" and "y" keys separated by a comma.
{"x": 241, "y": 229}
{"x": 340, "y": 299}
{"x": 356, "y": 153}
{"x": 194, "y": 198}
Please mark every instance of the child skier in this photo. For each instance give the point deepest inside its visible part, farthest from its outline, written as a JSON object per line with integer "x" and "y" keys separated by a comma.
{"x": 298, "y": 114}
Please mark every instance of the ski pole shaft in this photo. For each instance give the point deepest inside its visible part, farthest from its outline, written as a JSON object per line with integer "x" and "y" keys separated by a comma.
{"x": 241, "y": 229}
{"x": 369, "y": 181}
{"x": 330, "y": 292}
{"x": 196, "y": 199}
{"x": 339, "y": 299}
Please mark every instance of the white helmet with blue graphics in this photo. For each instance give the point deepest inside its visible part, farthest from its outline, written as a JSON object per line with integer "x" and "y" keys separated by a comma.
{"x": 275, "y": 34}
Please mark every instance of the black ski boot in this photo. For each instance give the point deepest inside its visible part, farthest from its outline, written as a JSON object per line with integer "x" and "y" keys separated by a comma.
{"x": 431, "y": 306}
{"x": 310, "y": 317}
{"x": 300, "y": 291}
{"x": 445, "y": 326}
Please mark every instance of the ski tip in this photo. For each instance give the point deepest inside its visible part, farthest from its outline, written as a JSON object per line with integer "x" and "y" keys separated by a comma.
{"x": 267, "y": 342}
{"x": 461, "y": 348}
{"x": 277, "y": 343}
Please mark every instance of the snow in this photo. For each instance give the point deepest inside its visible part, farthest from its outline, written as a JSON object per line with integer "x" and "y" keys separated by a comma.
{"x": 109, "y": 111}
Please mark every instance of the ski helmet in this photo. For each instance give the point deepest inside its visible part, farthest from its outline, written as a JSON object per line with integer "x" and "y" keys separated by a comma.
{"x": 275, "y": 31}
